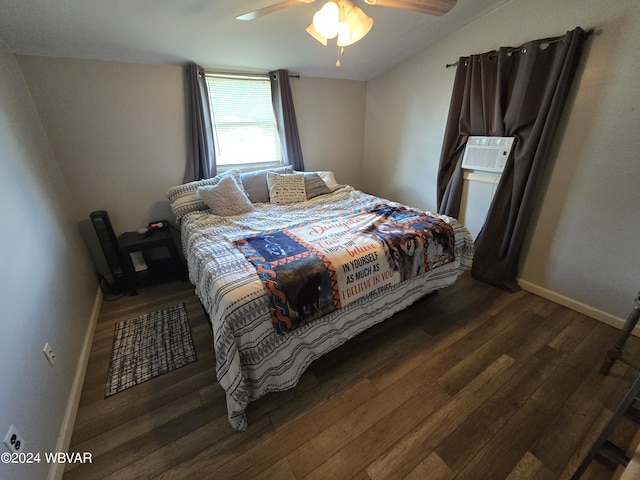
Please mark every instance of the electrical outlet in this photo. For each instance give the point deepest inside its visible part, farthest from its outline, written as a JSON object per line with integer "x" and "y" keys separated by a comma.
{"x": 14, "y": 441}
{"x": 48, "y": 352}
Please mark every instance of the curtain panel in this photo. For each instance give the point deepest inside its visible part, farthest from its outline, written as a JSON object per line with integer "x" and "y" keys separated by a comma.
{"x": 201, "y": 161}
{"x": 285, "y": 114}
{"x": 519, "y": 92}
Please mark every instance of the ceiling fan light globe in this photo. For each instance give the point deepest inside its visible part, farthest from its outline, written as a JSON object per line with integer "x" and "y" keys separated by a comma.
{"x": 325, "y": 20}
{"x": 358, "y": 25}
{"x": 344, "y": 36}
{"x": 311, "y": 30}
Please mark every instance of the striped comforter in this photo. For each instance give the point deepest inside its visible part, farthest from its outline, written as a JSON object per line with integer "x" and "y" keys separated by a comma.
{"x": 252, "y": 359}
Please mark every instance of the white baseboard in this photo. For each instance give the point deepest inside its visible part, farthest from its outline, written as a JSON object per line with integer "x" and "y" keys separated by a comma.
{"x": 66, "y": 430}
{"x": 577, "y": 306}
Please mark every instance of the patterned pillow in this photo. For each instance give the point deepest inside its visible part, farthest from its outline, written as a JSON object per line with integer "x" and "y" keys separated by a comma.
{"x": 226, "y": 198}
{"x": 286, "y": 188}
{"x": 185, "y": 199}
{"x": 255, "y": 183}
{"x": 314, "y": 185}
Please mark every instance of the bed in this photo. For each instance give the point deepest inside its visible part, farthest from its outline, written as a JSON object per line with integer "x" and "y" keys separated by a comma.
{"x": 269, "y": 320}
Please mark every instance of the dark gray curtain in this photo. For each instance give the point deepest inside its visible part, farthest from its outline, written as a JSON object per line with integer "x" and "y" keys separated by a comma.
{"x": 517, "y": 92}
{"x": 201, "y": 161}
{"x": 286, "y": 119}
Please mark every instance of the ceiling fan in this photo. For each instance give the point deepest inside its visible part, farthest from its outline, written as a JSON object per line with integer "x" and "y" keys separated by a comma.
{"x": 430, "y": 7}
{"x": 342, "y": 20}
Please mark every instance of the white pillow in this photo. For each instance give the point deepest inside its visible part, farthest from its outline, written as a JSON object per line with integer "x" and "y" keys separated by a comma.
{"x": 226, "y": 198}
{"x": 328, "y": 178}
{"x": 286, "y": 188}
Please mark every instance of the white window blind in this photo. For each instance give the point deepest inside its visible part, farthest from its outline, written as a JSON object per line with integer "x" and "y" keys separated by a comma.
{"x": 245, "y": 131}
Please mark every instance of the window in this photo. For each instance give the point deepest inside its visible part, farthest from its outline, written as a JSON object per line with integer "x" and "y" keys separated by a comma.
{"x": 244, "y": 127}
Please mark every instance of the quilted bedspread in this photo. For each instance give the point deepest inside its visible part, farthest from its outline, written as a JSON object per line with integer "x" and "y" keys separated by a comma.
{"x": 254, "y": 358}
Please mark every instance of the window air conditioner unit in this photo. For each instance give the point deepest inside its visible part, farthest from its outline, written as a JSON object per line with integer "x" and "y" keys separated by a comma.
{"x": 488, "y": 154}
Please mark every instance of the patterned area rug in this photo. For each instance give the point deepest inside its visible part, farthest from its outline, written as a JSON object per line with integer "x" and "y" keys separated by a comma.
{"x": 148, "y": 346}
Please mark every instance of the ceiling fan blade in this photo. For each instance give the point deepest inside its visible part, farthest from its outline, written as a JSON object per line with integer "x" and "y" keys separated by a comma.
{"x": 430, "y": 7}
{"x": 261, "y": 12}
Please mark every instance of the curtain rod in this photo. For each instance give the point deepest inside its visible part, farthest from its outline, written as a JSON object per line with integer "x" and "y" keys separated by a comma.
{"x": 240, "y": 74}
{"x": 244, "y": 74}
{"x": 545, "y": 44}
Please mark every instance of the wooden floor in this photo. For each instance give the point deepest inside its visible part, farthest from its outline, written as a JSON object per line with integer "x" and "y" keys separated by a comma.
{"x": 472, "y": 383}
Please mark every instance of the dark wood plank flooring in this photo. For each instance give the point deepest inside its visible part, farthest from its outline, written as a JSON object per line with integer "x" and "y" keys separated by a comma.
{"x": 472, "y": 383}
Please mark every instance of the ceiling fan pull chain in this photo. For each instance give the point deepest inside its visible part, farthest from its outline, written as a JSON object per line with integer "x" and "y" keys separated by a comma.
{"x": 340, "y": 52}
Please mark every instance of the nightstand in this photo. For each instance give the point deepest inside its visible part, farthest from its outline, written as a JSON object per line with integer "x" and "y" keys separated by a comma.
{"x": 130, "y": 242}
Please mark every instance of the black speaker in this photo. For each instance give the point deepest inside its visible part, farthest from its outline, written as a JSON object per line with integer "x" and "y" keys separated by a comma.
{"x": 109, "y": 244}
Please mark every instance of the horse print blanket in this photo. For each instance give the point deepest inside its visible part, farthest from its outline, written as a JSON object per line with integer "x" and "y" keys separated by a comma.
{"x": 311, "y": 269}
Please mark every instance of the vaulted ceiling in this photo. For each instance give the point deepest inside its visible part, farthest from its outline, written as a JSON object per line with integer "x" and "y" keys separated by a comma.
{"x": 207, "y": 32}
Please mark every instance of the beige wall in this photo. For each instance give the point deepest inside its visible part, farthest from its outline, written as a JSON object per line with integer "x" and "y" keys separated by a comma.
{"x": 330, "y": 116}
{"x": 582, "y": 249}
{"x": 48, "y": 286}
{"x": 118, "y": 131}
